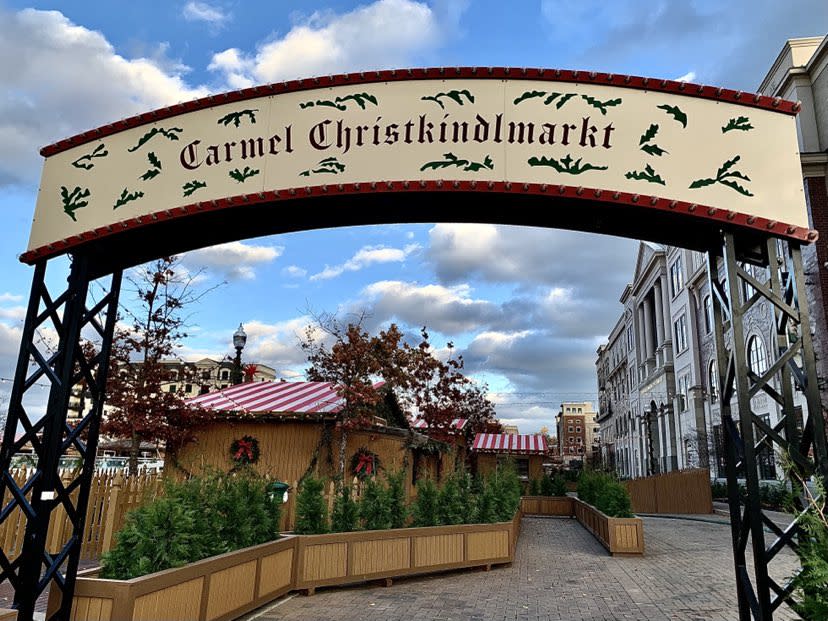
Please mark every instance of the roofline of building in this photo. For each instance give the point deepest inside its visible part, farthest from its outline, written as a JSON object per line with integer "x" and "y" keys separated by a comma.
{"x": 780, "y": 58}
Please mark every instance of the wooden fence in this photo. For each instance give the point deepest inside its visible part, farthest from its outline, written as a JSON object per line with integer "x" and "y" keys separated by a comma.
{"x": 111, "y": 496}
{"x": 682, "y": 491}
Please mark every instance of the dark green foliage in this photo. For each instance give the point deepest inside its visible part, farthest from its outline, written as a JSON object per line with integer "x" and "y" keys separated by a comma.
{"x": 535, "y": 487}
{"x": 311, "y": 510}
{"x": 345, "y": 514}
{"x": 396, "y": 499}
{"x": 552, "y": 486}
{"x": 605, "y": 493}
{"x": 506, "y": 490}
{"x": 468, "y": 497}
{"x": 374, "y": 507}
{"x": 486, "y": 504}
{"x": 718, "y": 490}
{"x": 812, "y": 581}
{"x": 424, "y": 512}
{"x": 450, "y": 509}
{"x": 194, "y": 519}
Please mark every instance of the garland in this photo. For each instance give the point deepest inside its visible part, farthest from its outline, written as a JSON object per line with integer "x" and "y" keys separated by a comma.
{"x": 245, "y": 451}
{"x": 364, "y": 464}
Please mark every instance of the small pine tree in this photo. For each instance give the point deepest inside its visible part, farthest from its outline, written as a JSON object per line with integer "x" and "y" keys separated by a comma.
{"x": 311, "y": 510}
{"x": 345, "y": 514}
{"x": 424, "y": 512}
{"x": 506, "y": 490}
{"x": 450, "y": 508}
{"x": 486, "y": 503}
{"x": 396, "y": 499}
{"x": 535, "y": 487}
{"x": 374, "y": 508}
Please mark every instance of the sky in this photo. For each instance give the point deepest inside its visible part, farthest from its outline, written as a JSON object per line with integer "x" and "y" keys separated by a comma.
{"x": 525, "y": 307}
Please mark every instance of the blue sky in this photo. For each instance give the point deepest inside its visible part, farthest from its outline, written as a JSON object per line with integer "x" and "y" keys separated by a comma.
{"x": 526, "y": 307}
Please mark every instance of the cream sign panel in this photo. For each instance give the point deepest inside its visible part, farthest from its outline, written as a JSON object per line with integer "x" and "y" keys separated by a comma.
{"x": 733, "y": 157}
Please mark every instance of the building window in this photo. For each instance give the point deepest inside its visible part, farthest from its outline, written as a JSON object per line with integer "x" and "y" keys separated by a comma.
{"x": 676, "y": 277}
{"x": 571, "y": 440}
{"x": 571, "y": 429}
{"x": 223, "y": 386}
{"x": 577, "y": 430}
{"x": 173, "y": 387}
{"x": 629, "y": 338}
{"x": 757, "y": 357}
{"x": 684, "y": 389}
{"x": 708, "y": 315}
{"x": 225, "y": 374}
{"x": 680, "y": 326}
{"x": 767, "y": 465}
{"x": 747, "y": 289}
{"x": 713, "y": 381}
{"x": 205, "y": 375}
{"x": 204, "y": 390}
{"x": 188, "y": 388}
{"x": 522, "y": 466}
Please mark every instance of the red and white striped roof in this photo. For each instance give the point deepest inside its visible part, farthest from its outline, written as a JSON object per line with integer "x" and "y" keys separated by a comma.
{"x": 457, "y": 424}
{"x": 510, "y": 443}
{"x": 274, "y": 397}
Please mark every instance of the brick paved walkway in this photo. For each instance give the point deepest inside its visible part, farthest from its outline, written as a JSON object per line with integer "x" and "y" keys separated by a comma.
{"x": 561, "y": 573}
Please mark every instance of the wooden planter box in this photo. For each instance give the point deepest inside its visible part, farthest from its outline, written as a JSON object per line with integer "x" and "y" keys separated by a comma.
{"x": 225, "y": 587}
{"x": 547, "y": 505}
{"x": 618, "y": 535}
{"x": 218, "y": 588}
{"x": 343, "y": 558}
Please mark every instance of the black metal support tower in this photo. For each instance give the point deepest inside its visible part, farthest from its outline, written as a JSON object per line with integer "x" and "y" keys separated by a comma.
{"x": 736, "y": 291}
{"x": 62, "y": 365}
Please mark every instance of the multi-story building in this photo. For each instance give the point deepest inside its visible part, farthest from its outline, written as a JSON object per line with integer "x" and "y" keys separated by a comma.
{"x": 577, "y": 431}
{"x": 669, "y": 416}
{"x": 800, "y": 73}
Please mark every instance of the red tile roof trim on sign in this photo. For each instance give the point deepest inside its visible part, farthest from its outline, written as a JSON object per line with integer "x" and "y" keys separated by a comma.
{"x": 510, "y": 443}
{"x": 714, "y": 214}
{"x": 440, "y": 73}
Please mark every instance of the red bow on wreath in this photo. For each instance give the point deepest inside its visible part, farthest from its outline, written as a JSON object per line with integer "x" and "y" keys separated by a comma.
{"x": 365, "y": 462}
{"x": 244, "y": 450}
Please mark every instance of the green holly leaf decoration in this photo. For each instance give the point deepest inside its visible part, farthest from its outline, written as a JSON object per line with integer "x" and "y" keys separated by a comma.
{"x": 676, "y": 112}
{"x": 340, "y": 103}
{"x": 742, "y": 123}
{"x": 242, "y": 175}
{"x": 648, "y": 174}
{"x": 455, "y": 95}
{"x": 127, "y": 197}
{"x": 565, "y": 165}
{"x": 85, "y": 161}
{"x": 561, "y": 102}
{"x": 653, "y": 149}
{"x": 155, "y": 170}
{"x": 601, "y": 105}
{"x": 452, "y": 160}
{"x": 192, "y": 186}
{"x": 330, "y": 165}
{"x": 72, "y": 201}
{"x": 169, "y": 134}
{"x": 726, "y": 177}
{"x": 649, "y": 134}
{"x": 236, "y": 117}
{"x": 529, "y": 95}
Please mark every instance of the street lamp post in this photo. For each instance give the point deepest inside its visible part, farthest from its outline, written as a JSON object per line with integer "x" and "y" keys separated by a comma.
{"x": 239, "y": 340}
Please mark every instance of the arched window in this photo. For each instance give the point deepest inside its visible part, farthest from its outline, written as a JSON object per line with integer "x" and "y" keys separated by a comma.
{"x": 713, "y": 381}
{"x": 757, "y": 356}
{"x": 708, "y": 314}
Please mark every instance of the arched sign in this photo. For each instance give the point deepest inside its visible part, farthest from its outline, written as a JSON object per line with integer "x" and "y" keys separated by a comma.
{"x": 617, "y": 148}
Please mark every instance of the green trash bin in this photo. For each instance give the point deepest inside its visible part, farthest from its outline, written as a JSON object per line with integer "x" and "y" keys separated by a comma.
{"x": 279, "y": 491}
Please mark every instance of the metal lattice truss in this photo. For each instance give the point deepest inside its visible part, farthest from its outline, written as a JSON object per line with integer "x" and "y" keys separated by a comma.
{"x": 51, "y": 437}
{"x": 736, "y": 290}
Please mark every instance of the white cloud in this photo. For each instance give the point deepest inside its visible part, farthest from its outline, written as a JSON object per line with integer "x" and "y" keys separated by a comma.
{"x": 15, "y": 312}
{"x": 294, "y": 271}
{"x": 364, "y": 257}
{"x": 450, "y": 310}
{"x": 690, "y": 76}
{"x": 233, "y": 260}
{"x": 10, "y": 297}
{"x": 59, "y": 79}
{"x": 382, "y": 34}
{"x": 203, "y": 12}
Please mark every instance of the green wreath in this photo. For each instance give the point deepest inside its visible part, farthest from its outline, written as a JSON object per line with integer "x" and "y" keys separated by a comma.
{"x": 245, "y": 451}
{"x": 364, "y": 463}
